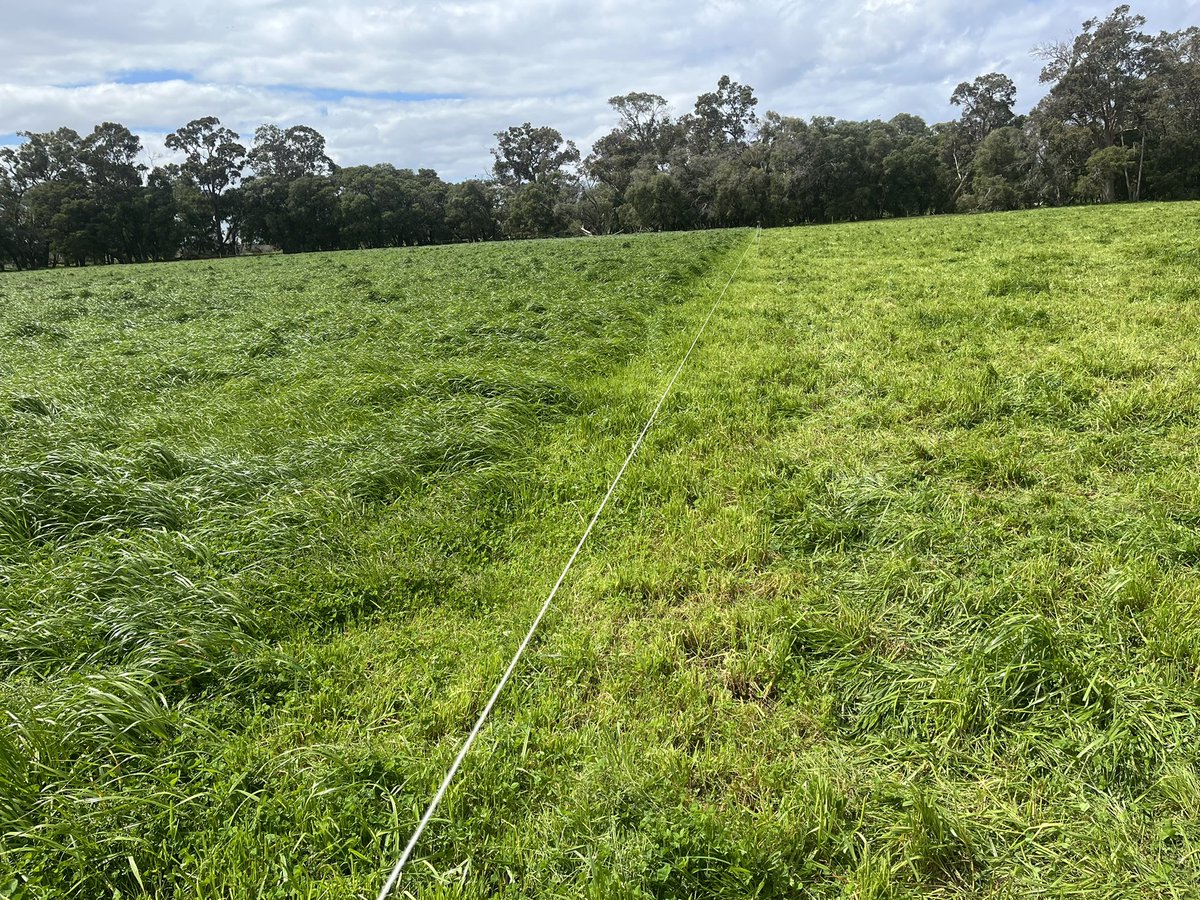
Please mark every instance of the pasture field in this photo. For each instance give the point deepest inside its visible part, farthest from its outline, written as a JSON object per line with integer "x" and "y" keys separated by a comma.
{"x": 901, "y": 598}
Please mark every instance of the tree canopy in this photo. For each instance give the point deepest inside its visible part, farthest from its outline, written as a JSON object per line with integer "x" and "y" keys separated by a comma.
{"x": 1120, "y": 121}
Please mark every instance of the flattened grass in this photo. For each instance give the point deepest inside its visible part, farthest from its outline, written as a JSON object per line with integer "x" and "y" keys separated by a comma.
{"x": 900, "y": 600}
{"x": 211, "y": 469}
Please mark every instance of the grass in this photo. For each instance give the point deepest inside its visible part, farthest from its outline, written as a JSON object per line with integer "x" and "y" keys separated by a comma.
{"x": 901, "y": 598}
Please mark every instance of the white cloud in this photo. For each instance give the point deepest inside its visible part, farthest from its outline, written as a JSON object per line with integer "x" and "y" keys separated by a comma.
{"x": 505, "y": 62}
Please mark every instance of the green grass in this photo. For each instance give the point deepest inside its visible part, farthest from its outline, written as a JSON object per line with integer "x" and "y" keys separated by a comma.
{"x": 901, "y": 598}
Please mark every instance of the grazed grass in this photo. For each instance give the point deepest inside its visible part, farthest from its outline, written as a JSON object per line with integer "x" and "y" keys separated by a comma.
{"x": 900, "y": 600}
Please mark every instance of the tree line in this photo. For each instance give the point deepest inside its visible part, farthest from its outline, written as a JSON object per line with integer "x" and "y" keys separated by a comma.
{"x": 1120, "y": 121}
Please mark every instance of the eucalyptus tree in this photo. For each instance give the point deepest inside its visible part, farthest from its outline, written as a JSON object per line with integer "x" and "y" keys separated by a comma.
{"x": 660, "y": 202}
{"x": 288, "y": 153}
{"x": 109, "y": 158}
{"x": 83, "y": 199}
{"x": 643, "y": 139}
{"x": 383, "y": 206}
{"x": 527, "y": 155}
{"x": 722, "y": 119}
{"x": 213, "y": 163}
{"x": 41, "y": 159}
{"x": 1173, "y": 116}
{"x": 1002, "y": 169}
{"x": 716, "y": 133}
{"x": 914, "y": 179}
{"x": 471, "y": 213}
{"x": 289, "y": 199}
{"x": 1097, "y": 84}
{"x": 987, "y": 104}
{"x": 154, "y": 219}
{"x": 642, "y": 144}
{"x": 47, "y": 205}
{"x": 532, "y": 166}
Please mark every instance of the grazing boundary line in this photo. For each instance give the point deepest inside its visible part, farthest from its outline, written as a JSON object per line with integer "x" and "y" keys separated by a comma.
{"x": 394, "y": 877}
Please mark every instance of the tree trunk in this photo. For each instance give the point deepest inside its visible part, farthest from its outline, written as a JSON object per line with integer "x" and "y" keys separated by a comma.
{"x": 1125, "y": 172}
{"x": 1137, "y": 191}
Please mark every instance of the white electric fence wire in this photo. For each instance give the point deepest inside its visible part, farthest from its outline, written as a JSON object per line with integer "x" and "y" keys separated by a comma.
{"x": 394, "y": 877}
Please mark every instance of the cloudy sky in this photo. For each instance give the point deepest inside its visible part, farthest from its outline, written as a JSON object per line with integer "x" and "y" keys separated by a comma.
{"x": 427, "y": 84}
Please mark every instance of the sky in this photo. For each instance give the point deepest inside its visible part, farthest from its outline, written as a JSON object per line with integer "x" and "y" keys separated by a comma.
{"x": 427, "y": 84}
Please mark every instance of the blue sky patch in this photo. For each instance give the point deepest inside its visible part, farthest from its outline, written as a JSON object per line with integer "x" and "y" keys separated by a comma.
{"x": 151, "y": 76}
{"x": 10, "y": 139}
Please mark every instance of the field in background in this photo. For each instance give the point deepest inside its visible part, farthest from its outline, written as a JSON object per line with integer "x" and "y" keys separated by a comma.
{"x": 901, "y": 598}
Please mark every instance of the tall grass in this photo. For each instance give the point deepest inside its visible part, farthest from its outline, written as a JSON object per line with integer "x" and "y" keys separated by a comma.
{"x": 207, "y": 474}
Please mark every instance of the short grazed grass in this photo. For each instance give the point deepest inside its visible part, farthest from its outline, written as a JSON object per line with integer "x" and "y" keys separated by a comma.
{"x": 902, "y": 597}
